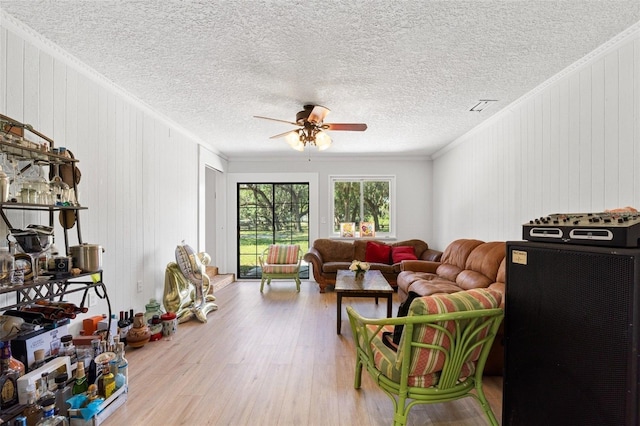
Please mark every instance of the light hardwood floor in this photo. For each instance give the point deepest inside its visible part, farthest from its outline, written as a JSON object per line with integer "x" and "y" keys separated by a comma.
{"x": 270, "y": 359}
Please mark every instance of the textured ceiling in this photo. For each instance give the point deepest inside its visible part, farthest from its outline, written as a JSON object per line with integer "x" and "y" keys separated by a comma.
{"x": 411, "y": 70}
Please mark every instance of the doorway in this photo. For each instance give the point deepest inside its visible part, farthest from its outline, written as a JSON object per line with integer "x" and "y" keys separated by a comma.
{"x": 270, "y": 213}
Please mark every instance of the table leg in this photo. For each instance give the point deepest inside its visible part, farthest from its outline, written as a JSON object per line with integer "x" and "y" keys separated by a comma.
{"x": 389, "y": 305}
{"x": 339, "y": 313}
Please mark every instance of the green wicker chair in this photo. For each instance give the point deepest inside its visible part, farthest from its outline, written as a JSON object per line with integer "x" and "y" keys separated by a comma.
{"x": 280, "y": 261}
{"x": 441, "y": 354}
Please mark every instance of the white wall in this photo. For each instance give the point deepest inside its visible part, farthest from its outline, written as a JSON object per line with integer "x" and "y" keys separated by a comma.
{"x": 413, "y": 190}
{"x": 571, "y": 145}
{"x": 139, "y": 174}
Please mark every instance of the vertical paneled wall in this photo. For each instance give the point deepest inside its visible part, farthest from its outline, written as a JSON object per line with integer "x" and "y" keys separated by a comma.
{"x": 139, "y": 175}
{"x": 573, "y": 145}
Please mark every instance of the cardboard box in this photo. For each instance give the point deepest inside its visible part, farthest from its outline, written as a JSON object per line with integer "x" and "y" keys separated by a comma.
{"x": 90, "y": 325}
{"x": 23, "y": 347}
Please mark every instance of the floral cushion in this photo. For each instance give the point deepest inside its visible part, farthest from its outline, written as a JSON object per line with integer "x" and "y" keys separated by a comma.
{"x": 426, "y": 363}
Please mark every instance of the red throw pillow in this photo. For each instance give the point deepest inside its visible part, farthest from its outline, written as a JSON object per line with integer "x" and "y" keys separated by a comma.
{"x": 403, "y": 253}
{"x": 377, "y": 253}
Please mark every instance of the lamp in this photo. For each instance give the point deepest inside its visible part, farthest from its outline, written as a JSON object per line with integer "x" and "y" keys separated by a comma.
{"x": 310, "y": 134}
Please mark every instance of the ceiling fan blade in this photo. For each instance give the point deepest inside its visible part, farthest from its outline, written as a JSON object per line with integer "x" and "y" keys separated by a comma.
{"x": 280, "y": 135}
{"x": 356, "y": 127}
{"x": 275, "y": 119}
{"x": 318, "y": 113}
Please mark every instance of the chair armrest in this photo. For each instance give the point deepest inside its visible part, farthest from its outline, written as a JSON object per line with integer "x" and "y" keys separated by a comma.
{"x": 362, "y": 336}
{"x": 432, "y": 255}
{"x": 419, "y": 266}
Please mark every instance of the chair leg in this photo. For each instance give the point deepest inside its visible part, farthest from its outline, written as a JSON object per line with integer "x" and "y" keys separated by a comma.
{"x": 486, "y": 407}
{"x": 358, "y": 379}
{"x": 297, "y": 284}
{"x": 401, "y": 412}
{"x": 262, "y": 284}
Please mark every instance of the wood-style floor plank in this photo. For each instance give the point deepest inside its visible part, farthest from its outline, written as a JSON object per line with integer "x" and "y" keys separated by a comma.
{"x": 271, "y": 359}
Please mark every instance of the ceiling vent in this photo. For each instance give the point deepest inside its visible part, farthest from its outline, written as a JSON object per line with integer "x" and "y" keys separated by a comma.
{"x": 482, "y": 105}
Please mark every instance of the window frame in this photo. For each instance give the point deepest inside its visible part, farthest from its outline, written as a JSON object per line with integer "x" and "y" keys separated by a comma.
{"x": 391, "y": 179}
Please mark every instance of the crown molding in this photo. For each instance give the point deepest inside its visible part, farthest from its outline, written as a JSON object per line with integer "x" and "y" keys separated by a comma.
{"x": 29, "y": 35}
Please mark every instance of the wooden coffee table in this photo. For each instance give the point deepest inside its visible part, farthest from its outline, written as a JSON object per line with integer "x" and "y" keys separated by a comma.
{"x": 372, "y": 285}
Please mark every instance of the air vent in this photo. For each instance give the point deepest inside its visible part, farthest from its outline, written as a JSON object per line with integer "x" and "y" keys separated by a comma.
{"x": 482, "y": 105}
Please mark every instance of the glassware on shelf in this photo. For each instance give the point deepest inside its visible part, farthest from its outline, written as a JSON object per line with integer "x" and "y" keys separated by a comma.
{"x": 59, "y": 188}
{"x": 34, "y": 185}
{"x": 34, "y": 241}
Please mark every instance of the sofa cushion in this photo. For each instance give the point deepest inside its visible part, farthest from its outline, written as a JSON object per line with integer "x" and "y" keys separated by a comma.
{"x": 481, "y": 268}
{"x": 454, "y": 258}
{"x": 334, "y": 267}
{"x": 377, "y": 253}
{"x": 334, "y": 251}
{"x": 400, "y": 253}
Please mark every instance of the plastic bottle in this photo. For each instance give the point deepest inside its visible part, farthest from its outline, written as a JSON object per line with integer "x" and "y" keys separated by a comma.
{"x": 7, "y": 266}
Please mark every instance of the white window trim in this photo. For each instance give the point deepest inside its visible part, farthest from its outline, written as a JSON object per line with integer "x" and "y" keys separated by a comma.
{"x": 392, "y": 203}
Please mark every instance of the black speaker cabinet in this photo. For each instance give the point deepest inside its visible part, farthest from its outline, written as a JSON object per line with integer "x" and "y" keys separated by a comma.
{"x": 571, "y": 335}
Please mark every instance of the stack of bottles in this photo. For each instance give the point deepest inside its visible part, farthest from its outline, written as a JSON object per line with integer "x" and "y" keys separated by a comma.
{"x": 106, "y": 372}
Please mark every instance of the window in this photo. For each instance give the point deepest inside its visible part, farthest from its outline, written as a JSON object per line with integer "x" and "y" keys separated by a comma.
{"x": 271, "y": 213}
{"x": 358, "y": 199}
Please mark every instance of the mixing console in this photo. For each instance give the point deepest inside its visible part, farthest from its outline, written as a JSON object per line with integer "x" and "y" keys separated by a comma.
{"x": 609, "y": 229}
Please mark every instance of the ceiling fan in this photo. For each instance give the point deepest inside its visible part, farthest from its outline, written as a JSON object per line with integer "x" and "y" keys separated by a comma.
{"x": 311, "y": 128}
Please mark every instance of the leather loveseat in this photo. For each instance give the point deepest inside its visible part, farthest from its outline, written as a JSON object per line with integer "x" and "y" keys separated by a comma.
{"x": 328, "y": 256}
{"x": 465, "y": 264}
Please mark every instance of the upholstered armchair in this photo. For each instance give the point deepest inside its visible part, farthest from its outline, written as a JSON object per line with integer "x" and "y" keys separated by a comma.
{"x": 441, "y": 352}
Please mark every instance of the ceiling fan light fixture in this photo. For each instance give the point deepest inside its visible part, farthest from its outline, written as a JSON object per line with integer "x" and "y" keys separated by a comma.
{"x": 323, "y": 141}
{"x": 294, "y": 140}
{"x": 311, "y": 123}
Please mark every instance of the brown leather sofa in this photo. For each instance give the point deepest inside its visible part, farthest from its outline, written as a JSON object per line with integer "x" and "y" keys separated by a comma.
{"x": 328, "y": 256}
{"x": 464, "y": 264}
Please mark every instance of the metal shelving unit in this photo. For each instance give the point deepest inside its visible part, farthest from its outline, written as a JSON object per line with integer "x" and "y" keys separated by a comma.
{"x": 16, "y": 147}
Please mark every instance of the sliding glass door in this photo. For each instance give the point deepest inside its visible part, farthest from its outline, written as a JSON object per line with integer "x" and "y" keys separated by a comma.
{"x": 270, "y": 213}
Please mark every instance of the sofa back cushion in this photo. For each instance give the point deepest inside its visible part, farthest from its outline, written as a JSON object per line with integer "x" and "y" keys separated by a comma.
{"x": 334, "y": 251}
{"x": 377, "y": 253}
{"x": 481, "y": 268}
{"x": 454, "y": 258}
